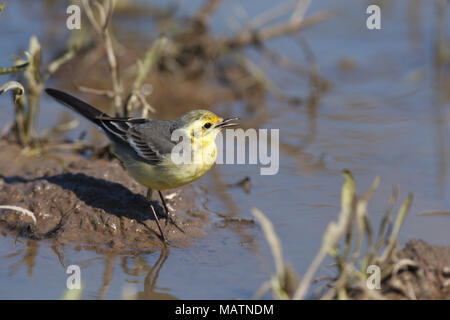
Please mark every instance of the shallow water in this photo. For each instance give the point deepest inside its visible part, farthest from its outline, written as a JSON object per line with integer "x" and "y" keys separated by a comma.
{"x": 379, "y": 118}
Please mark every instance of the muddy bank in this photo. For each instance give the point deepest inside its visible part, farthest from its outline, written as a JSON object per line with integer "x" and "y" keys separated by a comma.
{"x": 91, "y": 202}
{"x": 423, "y": 272}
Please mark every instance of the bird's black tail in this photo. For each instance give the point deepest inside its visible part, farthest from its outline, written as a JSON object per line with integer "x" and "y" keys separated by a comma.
{"x": 76, "y": 104}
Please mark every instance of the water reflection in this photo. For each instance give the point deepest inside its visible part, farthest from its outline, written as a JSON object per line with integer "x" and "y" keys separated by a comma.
{"x": 135, "y": 265}
{"x": 151, "y": 291}
{"x": 27, "y": 257}
{"x": 440, "y": 87}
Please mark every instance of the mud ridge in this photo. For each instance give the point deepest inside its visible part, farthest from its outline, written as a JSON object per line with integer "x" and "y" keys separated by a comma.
{"x": 93, "y": 202}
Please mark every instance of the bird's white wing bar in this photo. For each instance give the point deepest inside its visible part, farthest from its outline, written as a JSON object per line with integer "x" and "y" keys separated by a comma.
{"x": 143, "y": 148}
{"x": 119, "y": 129}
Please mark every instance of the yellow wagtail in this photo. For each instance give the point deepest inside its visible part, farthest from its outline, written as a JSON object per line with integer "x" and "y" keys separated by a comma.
{"x": 144, "y": 146}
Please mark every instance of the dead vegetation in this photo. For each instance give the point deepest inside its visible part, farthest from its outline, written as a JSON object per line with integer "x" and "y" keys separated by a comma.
{"x": 186, "y": 65}
{"x": 419, "y": 271}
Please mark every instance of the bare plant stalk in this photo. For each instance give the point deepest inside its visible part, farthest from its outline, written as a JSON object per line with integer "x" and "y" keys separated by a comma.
{"x": 275, "y": 30}
{"x": 363, "y": 220}
{"x": 334, "y": 232}
{"x": 272, "y": 239}
{"x": 278, "y": 282}
{"x": 18, "y": 91}
{"x": 398, "y": 223}
{"x": 14, "y": 69}
{"x": 137, "y": 97}
{"x": 269, "y": 15}
{"x": 205, "y": 13}
{"x": 308, "y": 277}
{"x": 300, "y": 10}
{"x": 20, "y": 210}
{"x": 34, "y": 87}
{"x": 99, "y": 92}
{"x": 105, "y": 12}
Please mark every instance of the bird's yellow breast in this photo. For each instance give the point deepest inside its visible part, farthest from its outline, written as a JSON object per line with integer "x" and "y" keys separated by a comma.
{"x": 167, "y": 174}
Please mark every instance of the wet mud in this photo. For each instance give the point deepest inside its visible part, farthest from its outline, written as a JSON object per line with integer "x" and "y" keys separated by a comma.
{"x": 424, "y": 272}
{"x": 92, "y": 202}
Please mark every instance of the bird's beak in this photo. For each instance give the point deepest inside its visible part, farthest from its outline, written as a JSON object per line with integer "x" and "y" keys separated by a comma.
{"x": 227, "y": 123}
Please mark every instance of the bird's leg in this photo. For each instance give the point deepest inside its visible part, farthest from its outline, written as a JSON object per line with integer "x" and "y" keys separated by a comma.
{"x": 149, "y": 199}
{"x": 167, "y": 212}
{"x": 166, "y": 209}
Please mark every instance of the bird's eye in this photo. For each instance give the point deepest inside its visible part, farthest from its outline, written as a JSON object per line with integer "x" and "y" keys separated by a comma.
{"x": 207, "y": 125}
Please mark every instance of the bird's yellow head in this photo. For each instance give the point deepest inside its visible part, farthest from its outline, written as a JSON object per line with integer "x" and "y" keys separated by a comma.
{"x": 203, "y": 124}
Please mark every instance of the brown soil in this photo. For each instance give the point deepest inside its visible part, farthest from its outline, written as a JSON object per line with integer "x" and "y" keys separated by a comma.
{"x": 93, "y": 202}
{"x": 426, "y": 276}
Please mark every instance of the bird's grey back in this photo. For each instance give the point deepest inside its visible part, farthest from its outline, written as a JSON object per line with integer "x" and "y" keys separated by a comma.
{"x": 142, "y": 139}
{"x": 158, "y": 134}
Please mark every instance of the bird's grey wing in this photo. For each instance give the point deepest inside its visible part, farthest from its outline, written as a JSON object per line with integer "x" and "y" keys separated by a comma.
{"x": 149, "y": 139}
{"x": 152, "y": 139}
